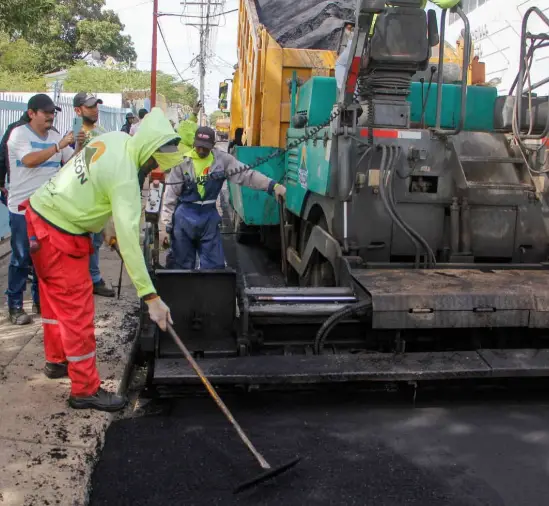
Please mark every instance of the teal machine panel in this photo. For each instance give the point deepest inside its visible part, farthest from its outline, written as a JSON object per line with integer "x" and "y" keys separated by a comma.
{"x": 317, "y": 97}
{"x": 257, "y": 207}
{"x": 479, "y": 114}
{"x": 307, "y": 168}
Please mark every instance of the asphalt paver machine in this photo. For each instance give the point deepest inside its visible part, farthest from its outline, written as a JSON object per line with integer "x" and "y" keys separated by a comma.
{"x": 414, "y": 236}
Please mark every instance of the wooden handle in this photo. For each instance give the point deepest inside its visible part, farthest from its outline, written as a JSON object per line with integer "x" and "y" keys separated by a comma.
{"x": 262, "y": 462}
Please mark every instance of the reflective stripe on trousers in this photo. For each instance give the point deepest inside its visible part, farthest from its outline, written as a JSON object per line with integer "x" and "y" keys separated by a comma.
{"x": 83, "y": 357}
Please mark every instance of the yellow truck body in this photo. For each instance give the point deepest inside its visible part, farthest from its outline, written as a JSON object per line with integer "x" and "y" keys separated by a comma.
{"x": 260, "y": 96}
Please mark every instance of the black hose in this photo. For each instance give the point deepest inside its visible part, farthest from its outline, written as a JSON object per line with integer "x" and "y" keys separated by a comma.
{"x": 357, "y": 309}
{"x": 385, "y": 200}
{"x": 424, "y": 107}
{"x": 388, "y": 185}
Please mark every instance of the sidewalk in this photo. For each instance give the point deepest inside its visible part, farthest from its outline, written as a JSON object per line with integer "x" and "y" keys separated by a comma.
{"x": 47, "y": 450}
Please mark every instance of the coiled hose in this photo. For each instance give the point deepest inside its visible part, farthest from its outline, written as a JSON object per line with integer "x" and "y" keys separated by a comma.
{"x": 359, "y": 309}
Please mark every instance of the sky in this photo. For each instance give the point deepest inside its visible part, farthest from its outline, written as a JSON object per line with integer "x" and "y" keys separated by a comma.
{"x": 183, "y": 41}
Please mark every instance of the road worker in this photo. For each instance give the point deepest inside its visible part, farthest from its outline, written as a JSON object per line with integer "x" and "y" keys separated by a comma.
{"x": 189, "y": 211}
{"x": 100, "y": 182}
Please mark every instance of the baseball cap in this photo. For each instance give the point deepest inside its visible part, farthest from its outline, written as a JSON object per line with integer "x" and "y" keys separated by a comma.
{"x": 42, "y": 102}
{"x": 130, "y": 115}
{"x": 204, "y": 138}
{"x": 86, "y": 100}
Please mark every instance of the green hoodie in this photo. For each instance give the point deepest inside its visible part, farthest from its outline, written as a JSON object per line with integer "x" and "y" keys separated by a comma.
{"x": 186, "y": 131}
{"x": 102, "y": 181}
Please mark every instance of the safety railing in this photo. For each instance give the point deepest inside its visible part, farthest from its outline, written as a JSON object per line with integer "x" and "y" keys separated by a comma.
{"x": 465, "y": 70}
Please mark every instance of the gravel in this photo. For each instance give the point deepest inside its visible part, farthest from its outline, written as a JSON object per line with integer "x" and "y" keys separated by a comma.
{"x": 306, "y": 24}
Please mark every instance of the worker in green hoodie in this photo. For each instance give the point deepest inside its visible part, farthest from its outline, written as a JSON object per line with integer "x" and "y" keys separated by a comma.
{"x": 187, "y": 128}
{"x": 100, "y": 182}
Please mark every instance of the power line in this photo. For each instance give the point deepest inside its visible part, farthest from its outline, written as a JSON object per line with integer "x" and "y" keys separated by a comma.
{"x": 169, "y": 54}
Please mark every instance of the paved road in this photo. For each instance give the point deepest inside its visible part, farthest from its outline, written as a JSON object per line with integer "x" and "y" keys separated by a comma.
{"x": 450, "y": 452}
{"x": 353, "y": 454}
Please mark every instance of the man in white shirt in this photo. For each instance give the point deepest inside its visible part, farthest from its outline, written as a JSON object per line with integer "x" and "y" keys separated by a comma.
{"x": 135, "y": 127}
{"x": 35, "y": 152}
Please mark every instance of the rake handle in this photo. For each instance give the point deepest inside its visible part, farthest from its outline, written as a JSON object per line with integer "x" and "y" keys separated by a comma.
{"x": 262, "y": 462}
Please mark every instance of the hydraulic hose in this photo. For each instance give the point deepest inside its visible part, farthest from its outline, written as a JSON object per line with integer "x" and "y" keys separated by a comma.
{"x": 388, "y": 185}
{"x": 357, "y": 309}
{"x": 385, "y": 200}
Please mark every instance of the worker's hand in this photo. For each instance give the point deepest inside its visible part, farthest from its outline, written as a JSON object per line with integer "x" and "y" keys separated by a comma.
{"x": 159, "y": 312}
{"x": 67, "y": 140}
{"x": 109, "y": 234}
{"x": 280, "y": 192}
{"x": 197, "y": 107}
{"x": 4, "y": 196}
{"x": 165, "y": 239}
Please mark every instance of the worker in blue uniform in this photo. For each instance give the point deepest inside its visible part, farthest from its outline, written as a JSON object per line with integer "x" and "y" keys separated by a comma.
{"x": 189, "y": 211}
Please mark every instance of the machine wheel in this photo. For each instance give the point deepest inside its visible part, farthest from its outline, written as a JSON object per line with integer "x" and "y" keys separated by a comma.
{"x": 319, "y": 272}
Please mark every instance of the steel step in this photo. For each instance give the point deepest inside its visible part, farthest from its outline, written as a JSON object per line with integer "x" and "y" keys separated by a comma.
{"x": 491, "y": 159}
{"x": 273, "y": 370}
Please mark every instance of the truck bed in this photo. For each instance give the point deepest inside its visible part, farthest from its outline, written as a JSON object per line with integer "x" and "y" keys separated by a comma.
{"x": 305, "y": 24}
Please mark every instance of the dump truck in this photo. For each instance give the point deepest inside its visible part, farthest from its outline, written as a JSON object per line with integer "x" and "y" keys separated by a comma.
{"x": 222, "y": 126}
{"x": 414, "y": 236}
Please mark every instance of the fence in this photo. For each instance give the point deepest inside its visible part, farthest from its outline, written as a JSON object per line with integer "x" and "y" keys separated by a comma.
{"x": 13, "y": 106}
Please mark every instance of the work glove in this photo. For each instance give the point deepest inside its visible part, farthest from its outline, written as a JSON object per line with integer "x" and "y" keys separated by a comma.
{"x": 197, "y": 107}
{"x": 109, "y": 233}
{"x": 159, "y": 312}
{"x": 280, "y": 192}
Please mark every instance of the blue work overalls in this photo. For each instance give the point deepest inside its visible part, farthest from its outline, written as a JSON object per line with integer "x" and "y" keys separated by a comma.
{"x": 196, "y": 224}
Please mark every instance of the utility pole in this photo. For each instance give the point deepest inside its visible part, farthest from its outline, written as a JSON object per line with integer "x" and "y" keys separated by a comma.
{"x": 154, "y": 53}
{"x": 204, "y": 31}
{"x": 204, "y": 35}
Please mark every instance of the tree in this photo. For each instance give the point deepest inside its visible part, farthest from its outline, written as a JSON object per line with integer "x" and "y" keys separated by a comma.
{"x": 19, "y": 16}
{"x": 18, "y": 81}
{"x": 62, "y": 32}
{"x": 98, "y": 79}
{"x": 214, "y": 116}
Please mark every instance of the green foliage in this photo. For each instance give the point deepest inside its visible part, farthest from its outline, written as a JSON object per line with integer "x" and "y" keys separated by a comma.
{"x": 18, "y": 56}
{"x": 17, "y": 81}
{"x": 116, "y": 80}
{"x": 214, "y": 116}
{"x": 61, "y": 32}
{"x": 18, "y": 17}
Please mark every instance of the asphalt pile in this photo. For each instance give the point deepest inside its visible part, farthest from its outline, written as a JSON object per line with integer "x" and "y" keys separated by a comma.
{"x": 305, "y": 24}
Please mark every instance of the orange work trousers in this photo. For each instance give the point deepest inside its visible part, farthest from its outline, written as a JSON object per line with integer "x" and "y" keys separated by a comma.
{"x": 61, "y": 261}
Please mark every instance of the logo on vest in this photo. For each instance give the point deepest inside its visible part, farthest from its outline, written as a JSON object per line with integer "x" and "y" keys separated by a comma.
{"x": 203, "y": 179}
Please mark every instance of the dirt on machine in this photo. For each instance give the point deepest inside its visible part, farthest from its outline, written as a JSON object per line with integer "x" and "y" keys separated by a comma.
{"x": 414, "y": 238}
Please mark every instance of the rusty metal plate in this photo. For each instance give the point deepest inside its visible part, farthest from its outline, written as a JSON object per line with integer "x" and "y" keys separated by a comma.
{"x": 455, "y": 289}
{"x": 450, "y": 319}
